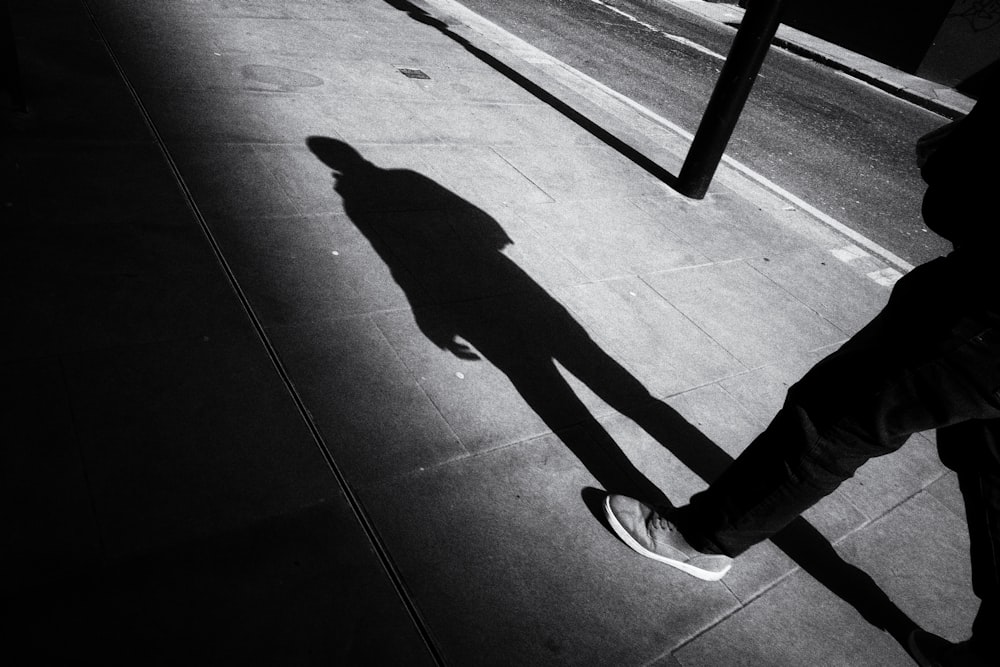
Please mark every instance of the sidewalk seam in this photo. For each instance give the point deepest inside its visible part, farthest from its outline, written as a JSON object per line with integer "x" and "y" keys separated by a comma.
{"x": 416, "y": 377}
{"x": 357, "y": 509}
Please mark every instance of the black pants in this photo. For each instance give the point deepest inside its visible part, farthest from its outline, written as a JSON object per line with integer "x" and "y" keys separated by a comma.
{"x": 929, "y": 360}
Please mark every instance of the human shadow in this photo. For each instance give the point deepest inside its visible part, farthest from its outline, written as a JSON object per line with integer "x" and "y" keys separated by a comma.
{"x": 469, "y": 298}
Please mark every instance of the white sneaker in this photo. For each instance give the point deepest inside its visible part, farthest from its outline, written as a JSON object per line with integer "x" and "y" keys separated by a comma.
{"x": 649, "y": 533}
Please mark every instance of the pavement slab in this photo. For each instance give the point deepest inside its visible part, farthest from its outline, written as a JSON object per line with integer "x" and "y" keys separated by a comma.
{"x": 481, "y": 175}
{"x": 609, "y": 238}
{"x": 95, "y": 286}
{"x": 232, "y": 180}
{"x": 287, "y": 9}
{"x": 306, "y": 268}
{"x": 39, "y": 421}
{"x": 348, "y": 375}
{"x": 761, "y": 391}
{"x": 482, "y": 392}
{"x": 791, "y": 625}
{"x": 169, "y": 448}
{"x": 517, "y": 570}
{"x": 491, "y": 123}
{"x": 723, "y": 227}
{"x": 599, "y": 171}
{"x": 464, "y": 81}
{"x": 665, "y": 350}
{"x": 239, "y": 117}
{"x": 539, "y": 254}
{"x": 750, "y": 316}
{"x": 946, "y": 490}
{"x": 110, "y": 182}
{"x": 845, "y": 297}
{"x": 303, "y": 587}
{"x": 301, "y": 177}
{"x": 69, "y": 102}
{"x": 919, "y": 555}
{"x": 883, "y": 483}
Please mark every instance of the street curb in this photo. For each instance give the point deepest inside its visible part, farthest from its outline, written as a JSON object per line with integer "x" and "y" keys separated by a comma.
{"x": 934, "y": 97}
{"x": 652, "y": 142}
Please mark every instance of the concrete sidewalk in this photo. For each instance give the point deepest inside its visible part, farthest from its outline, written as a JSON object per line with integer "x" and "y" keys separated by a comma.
{"x": 330, "y": 321}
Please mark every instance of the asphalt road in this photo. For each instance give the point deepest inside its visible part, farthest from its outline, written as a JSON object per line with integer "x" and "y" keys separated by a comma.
{"x": 840, "y": 144}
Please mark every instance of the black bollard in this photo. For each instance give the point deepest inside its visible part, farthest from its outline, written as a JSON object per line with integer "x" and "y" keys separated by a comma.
{"x": 739, "y": 72}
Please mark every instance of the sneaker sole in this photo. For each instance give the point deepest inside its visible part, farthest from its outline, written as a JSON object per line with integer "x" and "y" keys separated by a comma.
{"x": 697, "y": 572}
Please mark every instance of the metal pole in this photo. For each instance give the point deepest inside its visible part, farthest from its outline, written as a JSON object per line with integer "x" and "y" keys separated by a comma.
{"x": 746, "y": 55}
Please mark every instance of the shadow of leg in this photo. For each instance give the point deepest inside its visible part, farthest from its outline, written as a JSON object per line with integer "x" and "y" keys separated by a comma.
{"x": 813, "y": 553}
{"x": 546, "y": 391}
{"x": 800, "y": 541}
{"x": 805, "y": 545}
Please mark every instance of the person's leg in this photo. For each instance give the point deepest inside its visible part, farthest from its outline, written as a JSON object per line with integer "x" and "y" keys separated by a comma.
{"x": 972, "y": 450}
{"x": 911, "y": 369}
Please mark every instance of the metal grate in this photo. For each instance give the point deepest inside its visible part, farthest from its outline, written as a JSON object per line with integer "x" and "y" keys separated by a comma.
{"x": 413, "y": 73}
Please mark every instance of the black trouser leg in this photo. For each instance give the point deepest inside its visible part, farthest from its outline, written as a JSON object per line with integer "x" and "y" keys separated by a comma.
{"x": 972, "y": 449}
{"x": 921, "y": 364}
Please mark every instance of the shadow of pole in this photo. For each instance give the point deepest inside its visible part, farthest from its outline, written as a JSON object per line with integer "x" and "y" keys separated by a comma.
{"x": 471, "y": 300}
{"x": 639, "y": 159}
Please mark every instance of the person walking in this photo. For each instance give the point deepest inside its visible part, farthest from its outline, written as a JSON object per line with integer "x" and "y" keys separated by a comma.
{"x": 929, "y": 360}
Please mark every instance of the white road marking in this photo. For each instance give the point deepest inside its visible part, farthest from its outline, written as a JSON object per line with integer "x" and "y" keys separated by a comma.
{"x": 886, "y": 277}
{"x": 849, "y": 253}
{"x": 675, "y": 38}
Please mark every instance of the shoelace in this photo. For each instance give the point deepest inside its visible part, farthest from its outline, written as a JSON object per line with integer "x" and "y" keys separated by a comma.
{"x": 657, "y": 521}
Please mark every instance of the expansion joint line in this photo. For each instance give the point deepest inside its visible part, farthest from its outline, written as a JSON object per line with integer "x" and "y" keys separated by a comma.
{"x": 353, "y": 500}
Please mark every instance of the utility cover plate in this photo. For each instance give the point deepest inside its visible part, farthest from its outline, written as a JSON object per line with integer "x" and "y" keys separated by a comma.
{"x": 413, "y": 73}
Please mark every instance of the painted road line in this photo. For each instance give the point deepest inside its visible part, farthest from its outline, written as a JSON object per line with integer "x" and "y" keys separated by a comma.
{"x": 675, "y": 38}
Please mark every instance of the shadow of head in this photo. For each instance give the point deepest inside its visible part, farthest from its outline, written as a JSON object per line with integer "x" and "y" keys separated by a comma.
{"x": 337, "y": 155}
